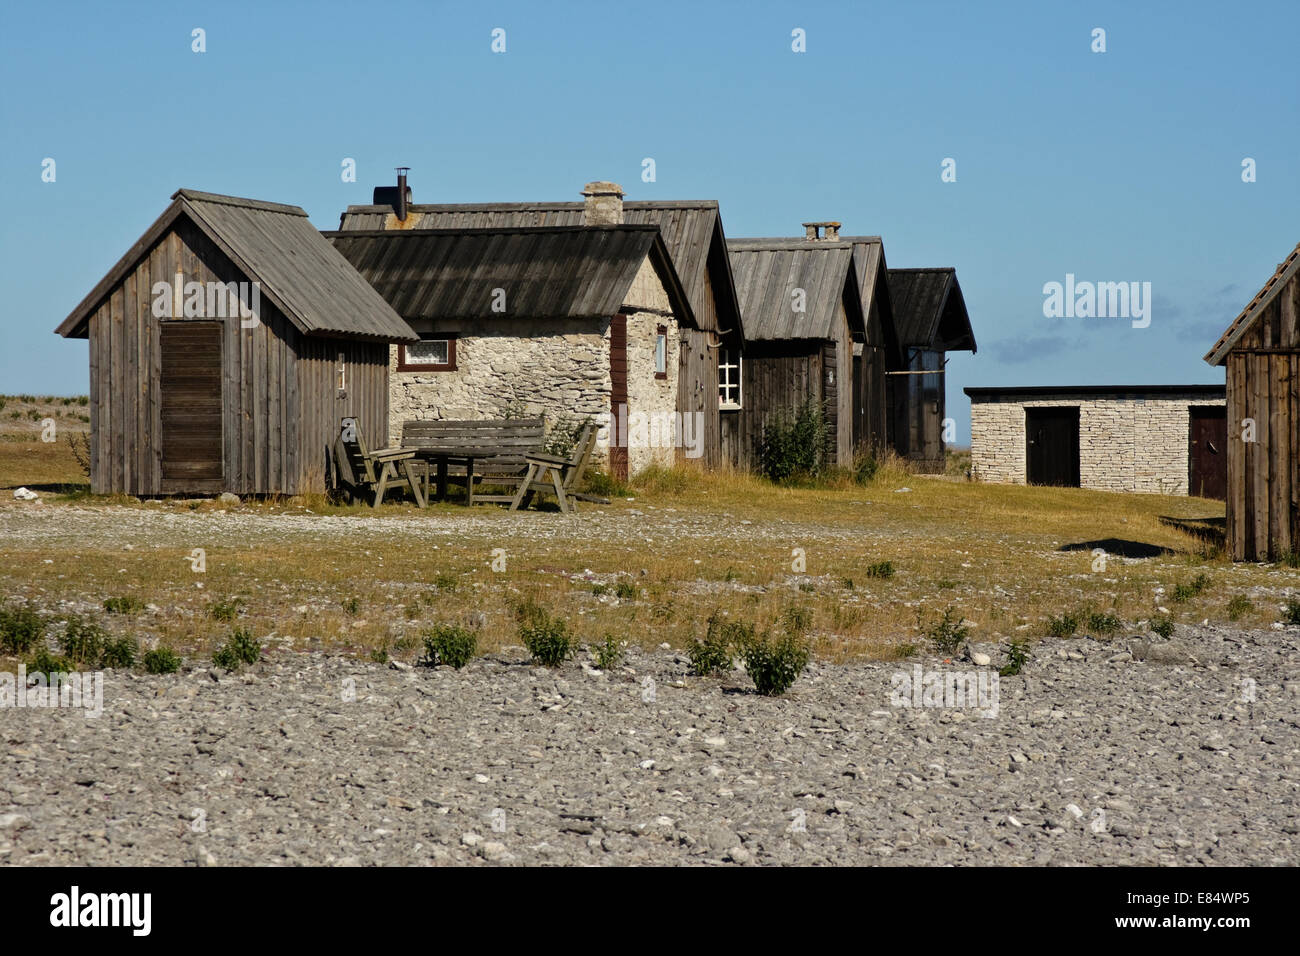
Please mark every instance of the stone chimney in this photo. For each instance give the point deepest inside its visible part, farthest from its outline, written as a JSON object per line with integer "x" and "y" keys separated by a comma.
{"x": 813, "y": 230}
{"x": 604, "y": 204}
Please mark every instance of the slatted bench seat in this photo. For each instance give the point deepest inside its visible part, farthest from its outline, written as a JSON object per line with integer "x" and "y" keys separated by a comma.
{"x": 504, "y": 444}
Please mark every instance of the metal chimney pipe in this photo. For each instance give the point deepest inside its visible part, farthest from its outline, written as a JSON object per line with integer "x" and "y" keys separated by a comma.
{"x": 403, "y": 196}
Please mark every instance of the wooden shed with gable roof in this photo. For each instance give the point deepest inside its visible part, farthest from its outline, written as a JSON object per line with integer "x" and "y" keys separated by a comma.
{"x": 1261, "y": 352}
{"x": 226, "y": 346}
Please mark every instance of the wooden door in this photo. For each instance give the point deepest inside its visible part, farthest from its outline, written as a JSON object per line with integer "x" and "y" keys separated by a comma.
{"x": 1052, "y": 446}
{"x": 618, "y": 397}
{"x": 1207, "y": 447}
{"x": 190, "y": 398}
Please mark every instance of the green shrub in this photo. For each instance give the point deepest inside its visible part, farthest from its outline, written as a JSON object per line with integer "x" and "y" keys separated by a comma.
{"x": 865, "y": 466}
{"x": 946, "y": 634}
{"x": 1103, "y": 623}
{"x": 881, "y": 569}
{"x": 20, "y": 628}
{"x": 1291, "y": 614}
{"x": 547, "y": 638}
{"x": 1185, "y": 592}
{"x": 797, "y": 620}
{"x": 597, "y": 482}
{"x": 1064, "y": 626}
{"x": 714, "y": 653}
{"x": 564, "y": 434}
{"x": 449, "y": 644}
{"x": 162, "y": 660}
{"x": 794, "y": 445}
{"x": 1238, "y": 606}
{"x": 83, "y": 642}
{"x": 599, "y": 589}
{"x": 1017, "y": 657}
{"x": 351, "y": 606}
{"x": 240, "y": 648}
{"x": 225, "y": 609}
{"x": 124, "y": 605}
{"x": 445, "y": 582}
{"x": 43, "y": 662}
{"x": 774, "y": 662}
{"x": 625, "y": 590}
{"x": 120, "y": 653}
{"x": 609, "y": 653}
{"x": 1162, "y": 625}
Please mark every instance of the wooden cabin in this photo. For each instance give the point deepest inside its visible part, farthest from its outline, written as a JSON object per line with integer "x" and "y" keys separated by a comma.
{"x": 226, "y": 346}
{"x": 801, "y": 300}
{"x": 708, "y": 352}
{"x": 1261, "y": 352}
{"x": 931, "y": 319}
{"x": 565, "y": 322}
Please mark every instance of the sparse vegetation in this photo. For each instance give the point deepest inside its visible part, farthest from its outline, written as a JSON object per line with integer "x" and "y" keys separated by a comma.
{"x": 794, "y": 445}
{"x": 546, "y": 637}
{"x": 161, "y": 660}
{"x": 1162, "y": 625}
{"x": 124, "y": 605}
{"x": 351, "y": 606}
{"x": 225, "y": 609}
{"x": 449, "y": 644}
{"x": 1291, "y": 612}
{"x": 1017, "y": 658}
{"x": 240, "y": 648}
{"x": 714, "y": 653}
{"x": 609, "y": 653}
{"x": 20, "y": 628}
{"x": 1185, "y": 592}
{"x": 774, "y": 662}
{"x": 947, "y": 634}
{"x": 1238, "y": 606}
{"x": 625, "y": 590}
{"x": 1103, "y": 624}
{"x": 881, "y": 569}
{"x": 1064, "y": 625}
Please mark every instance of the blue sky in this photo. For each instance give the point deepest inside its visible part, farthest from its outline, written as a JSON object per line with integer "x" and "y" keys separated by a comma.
{"x": 1115, "y": 166}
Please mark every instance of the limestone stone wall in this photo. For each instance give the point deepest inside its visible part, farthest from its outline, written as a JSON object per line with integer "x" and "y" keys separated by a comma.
{"x": 1127, "y": 443}
{"x": 561, "y": 370}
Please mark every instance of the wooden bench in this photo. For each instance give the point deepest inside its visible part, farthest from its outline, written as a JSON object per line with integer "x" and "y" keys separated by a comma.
{"x": 562, "y": 476}
{"x": 504, "y": 443}
{"x": 364, "y": 472}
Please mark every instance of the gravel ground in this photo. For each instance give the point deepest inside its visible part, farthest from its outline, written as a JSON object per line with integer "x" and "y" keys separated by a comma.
{"x": 1101, "y": 753}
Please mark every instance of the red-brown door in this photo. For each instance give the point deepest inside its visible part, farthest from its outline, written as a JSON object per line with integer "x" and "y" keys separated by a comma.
{"x": 1207, "y": 451}
{"x": 618, "y": 397}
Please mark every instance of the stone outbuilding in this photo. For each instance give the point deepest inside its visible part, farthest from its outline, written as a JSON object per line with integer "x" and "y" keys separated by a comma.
{"x": 566, "y": 322}
{"x": 1159, "y": 439}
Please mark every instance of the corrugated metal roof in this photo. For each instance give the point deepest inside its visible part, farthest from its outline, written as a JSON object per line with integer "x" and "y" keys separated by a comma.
{"x": 690, "y": 229}
{"x": 277, "y": 247}
{"x": 1246, "y": 318}
{"x": 767, "y": 271}
{"x": 551, "y": 272}
{"x": 929, "y": 309}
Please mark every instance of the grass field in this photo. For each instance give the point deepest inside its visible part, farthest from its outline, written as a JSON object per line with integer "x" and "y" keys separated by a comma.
{"x": 875, "y": 565}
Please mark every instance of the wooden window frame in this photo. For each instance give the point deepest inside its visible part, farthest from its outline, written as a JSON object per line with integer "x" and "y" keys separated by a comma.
{"x": 723, "y": 387}
{"x": 449, "y": 366}
{"x": 661, "y": 335}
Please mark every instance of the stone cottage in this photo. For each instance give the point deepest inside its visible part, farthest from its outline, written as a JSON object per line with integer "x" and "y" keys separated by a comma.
{"x": 709, "y": 354}
{"x": 1160, "y": 439}
{"x": 570, "y": 322}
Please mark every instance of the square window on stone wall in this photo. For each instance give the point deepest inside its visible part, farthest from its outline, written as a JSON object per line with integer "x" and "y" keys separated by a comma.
{"x": 435, "y": 352}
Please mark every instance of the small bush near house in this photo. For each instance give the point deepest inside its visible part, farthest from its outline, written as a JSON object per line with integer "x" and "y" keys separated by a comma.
{"x": 865, "y": 466}
{"x": 609, "y": 653}
{"x": 161, "y": 660}
{"x": 1103, "y": 623}
{"x": 947, "y": 634}
{"x": 1017, "y": 658}
{"x": 240, "y": 648}
{"x": 1238, "y": 606}
{"x": 225, "y": 609}
{"x": 124, "y": 605}
{"x": 564, "y": 435}
{"x": 1064, "y": 626}
{"x": 1162, "y": 625}
{"x": 775, "y": 662}
{"x": 449, "y": 644}
{"x": 1291, "y": 613}
{"x": 20, "y": 628}
{"x": 547, "y": 638}
{"x": 597, "y": 482}
{"x": 794, "y": 445}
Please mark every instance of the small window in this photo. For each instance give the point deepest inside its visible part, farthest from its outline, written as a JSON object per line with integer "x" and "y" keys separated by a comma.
{"x": 342, "y": 374}
{"x": 435, "y": 352}
{"x": 661, "y": 352}
{"x": 728, "y": 378}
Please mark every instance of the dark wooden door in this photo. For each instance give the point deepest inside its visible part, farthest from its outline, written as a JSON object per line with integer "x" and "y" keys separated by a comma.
{"x": 1052, "y": 446}
{"x": 618, "y": 396}
{"x": 190, "y": 395}
{"x": 1207, "y": 451}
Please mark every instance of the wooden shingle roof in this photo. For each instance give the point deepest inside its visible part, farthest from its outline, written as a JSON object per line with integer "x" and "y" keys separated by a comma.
{"x": 552, "y": 272}
{"x": 276, "y": 246}
{"x": 929, "y": 310}
{"x": 1246, "y": 318}
{"x": 768, "y": 271}
{"x": 692, "y": 232}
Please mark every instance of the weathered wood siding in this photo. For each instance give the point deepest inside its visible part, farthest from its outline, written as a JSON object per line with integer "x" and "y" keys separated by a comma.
{"x": 917, "y": 402}
{"x": 697, "y": 383}
{"x": 273, "y": 415}
{"x": 1263, "y": 380}
{"x": 776, "y": 378}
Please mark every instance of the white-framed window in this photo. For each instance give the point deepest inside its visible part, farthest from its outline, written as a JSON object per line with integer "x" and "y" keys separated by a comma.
{"x": 728, "y": 378}
{"x": 661, "y": 352}
{"x": 433, "y": 353}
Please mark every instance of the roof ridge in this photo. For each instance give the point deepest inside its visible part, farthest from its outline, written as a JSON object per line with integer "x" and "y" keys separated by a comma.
{"x": 492, "y": 230}
{"x": 1265, "y": 291}
{"x": 195, "y": 195}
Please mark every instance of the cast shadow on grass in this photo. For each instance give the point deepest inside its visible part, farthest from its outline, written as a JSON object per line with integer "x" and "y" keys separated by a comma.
{"x": 1119, "y": 547}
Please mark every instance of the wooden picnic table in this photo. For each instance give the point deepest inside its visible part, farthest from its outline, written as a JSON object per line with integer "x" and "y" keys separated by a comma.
{"x": 465, "y": 457}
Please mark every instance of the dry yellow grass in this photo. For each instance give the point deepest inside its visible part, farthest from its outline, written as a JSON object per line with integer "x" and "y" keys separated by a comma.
{"x": 691, "y": 544}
